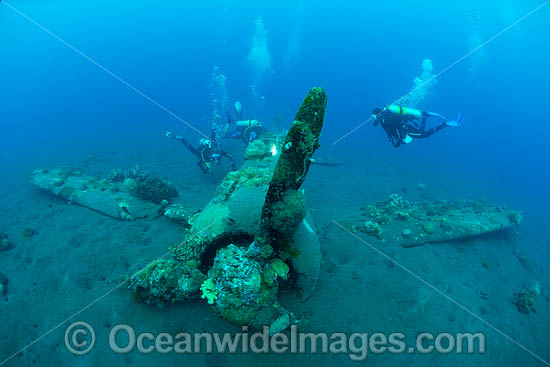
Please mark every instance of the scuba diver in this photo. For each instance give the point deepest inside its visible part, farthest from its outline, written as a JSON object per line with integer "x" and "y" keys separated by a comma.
{"x": 207, "y": 152}
{"x": 245, "y": 130}
{"x": 401, "y": 126}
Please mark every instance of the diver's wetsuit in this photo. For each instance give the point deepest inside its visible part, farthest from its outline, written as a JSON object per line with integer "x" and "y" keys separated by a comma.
{"x": 206, "y": 155}
{"x": 421, "y": 132}
{"x": 398, "y": 127}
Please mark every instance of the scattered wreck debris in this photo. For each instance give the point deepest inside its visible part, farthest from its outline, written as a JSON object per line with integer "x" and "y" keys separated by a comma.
{"x": 5, "y": 243}
{"x": 29, "y": 232}
{"x": 4, "y": 280}
{"x": 525, "y": 298}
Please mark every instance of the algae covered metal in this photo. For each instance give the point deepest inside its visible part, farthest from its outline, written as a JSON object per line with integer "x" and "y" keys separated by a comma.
{"x": 417, "y": 223}
{"x": 284, "y": 207}
{"x": 112, "y": 197}
{"x": 232, "y": 254}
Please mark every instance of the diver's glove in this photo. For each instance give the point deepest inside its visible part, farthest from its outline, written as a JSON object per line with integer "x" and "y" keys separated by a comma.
{"x": 172, "y": 136}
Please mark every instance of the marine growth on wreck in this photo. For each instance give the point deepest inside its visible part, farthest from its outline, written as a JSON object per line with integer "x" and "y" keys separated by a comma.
{"x": 242, "y": 244}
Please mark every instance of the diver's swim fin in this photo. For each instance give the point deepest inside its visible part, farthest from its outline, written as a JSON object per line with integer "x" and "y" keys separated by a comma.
{"x": 457, "y": 121}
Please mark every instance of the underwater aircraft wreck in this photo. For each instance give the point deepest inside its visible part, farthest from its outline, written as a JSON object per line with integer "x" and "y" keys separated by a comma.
{"x": 414, "y": 224}
{"x": 250, "y": 235}
{"x": 256, "y": 232}
{"x": 126, "y": 196}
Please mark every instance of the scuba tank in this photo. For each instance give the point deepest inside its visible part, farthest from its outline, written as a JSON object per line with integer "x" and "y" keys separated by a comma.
{"x": 251, "y": 129}
{"x": 405, "y": 111}
{"x": 248, "y": 123}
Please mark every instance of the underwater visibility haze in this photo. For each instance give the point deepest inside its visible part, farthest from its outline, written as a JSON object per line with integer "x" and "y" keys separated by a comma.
{"x": 368, "y": 180}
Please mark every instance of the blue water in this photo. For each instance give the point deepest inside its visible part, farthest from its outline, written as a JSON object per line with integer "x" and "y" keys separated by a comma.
{"x": 365, "y": 55}
{"x": 57, "y": 104}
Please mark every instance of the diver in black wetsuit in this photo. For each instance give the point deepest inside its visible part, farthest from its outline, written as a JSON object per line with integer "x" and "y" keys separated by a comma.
{"x": 401, "y": 126}
{"x": 207, "y": 152}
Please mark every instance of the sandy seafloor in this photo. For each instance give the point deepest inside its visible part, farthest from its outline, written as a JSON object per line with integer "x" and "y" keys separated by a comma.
{"x": 78, "y": 256}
